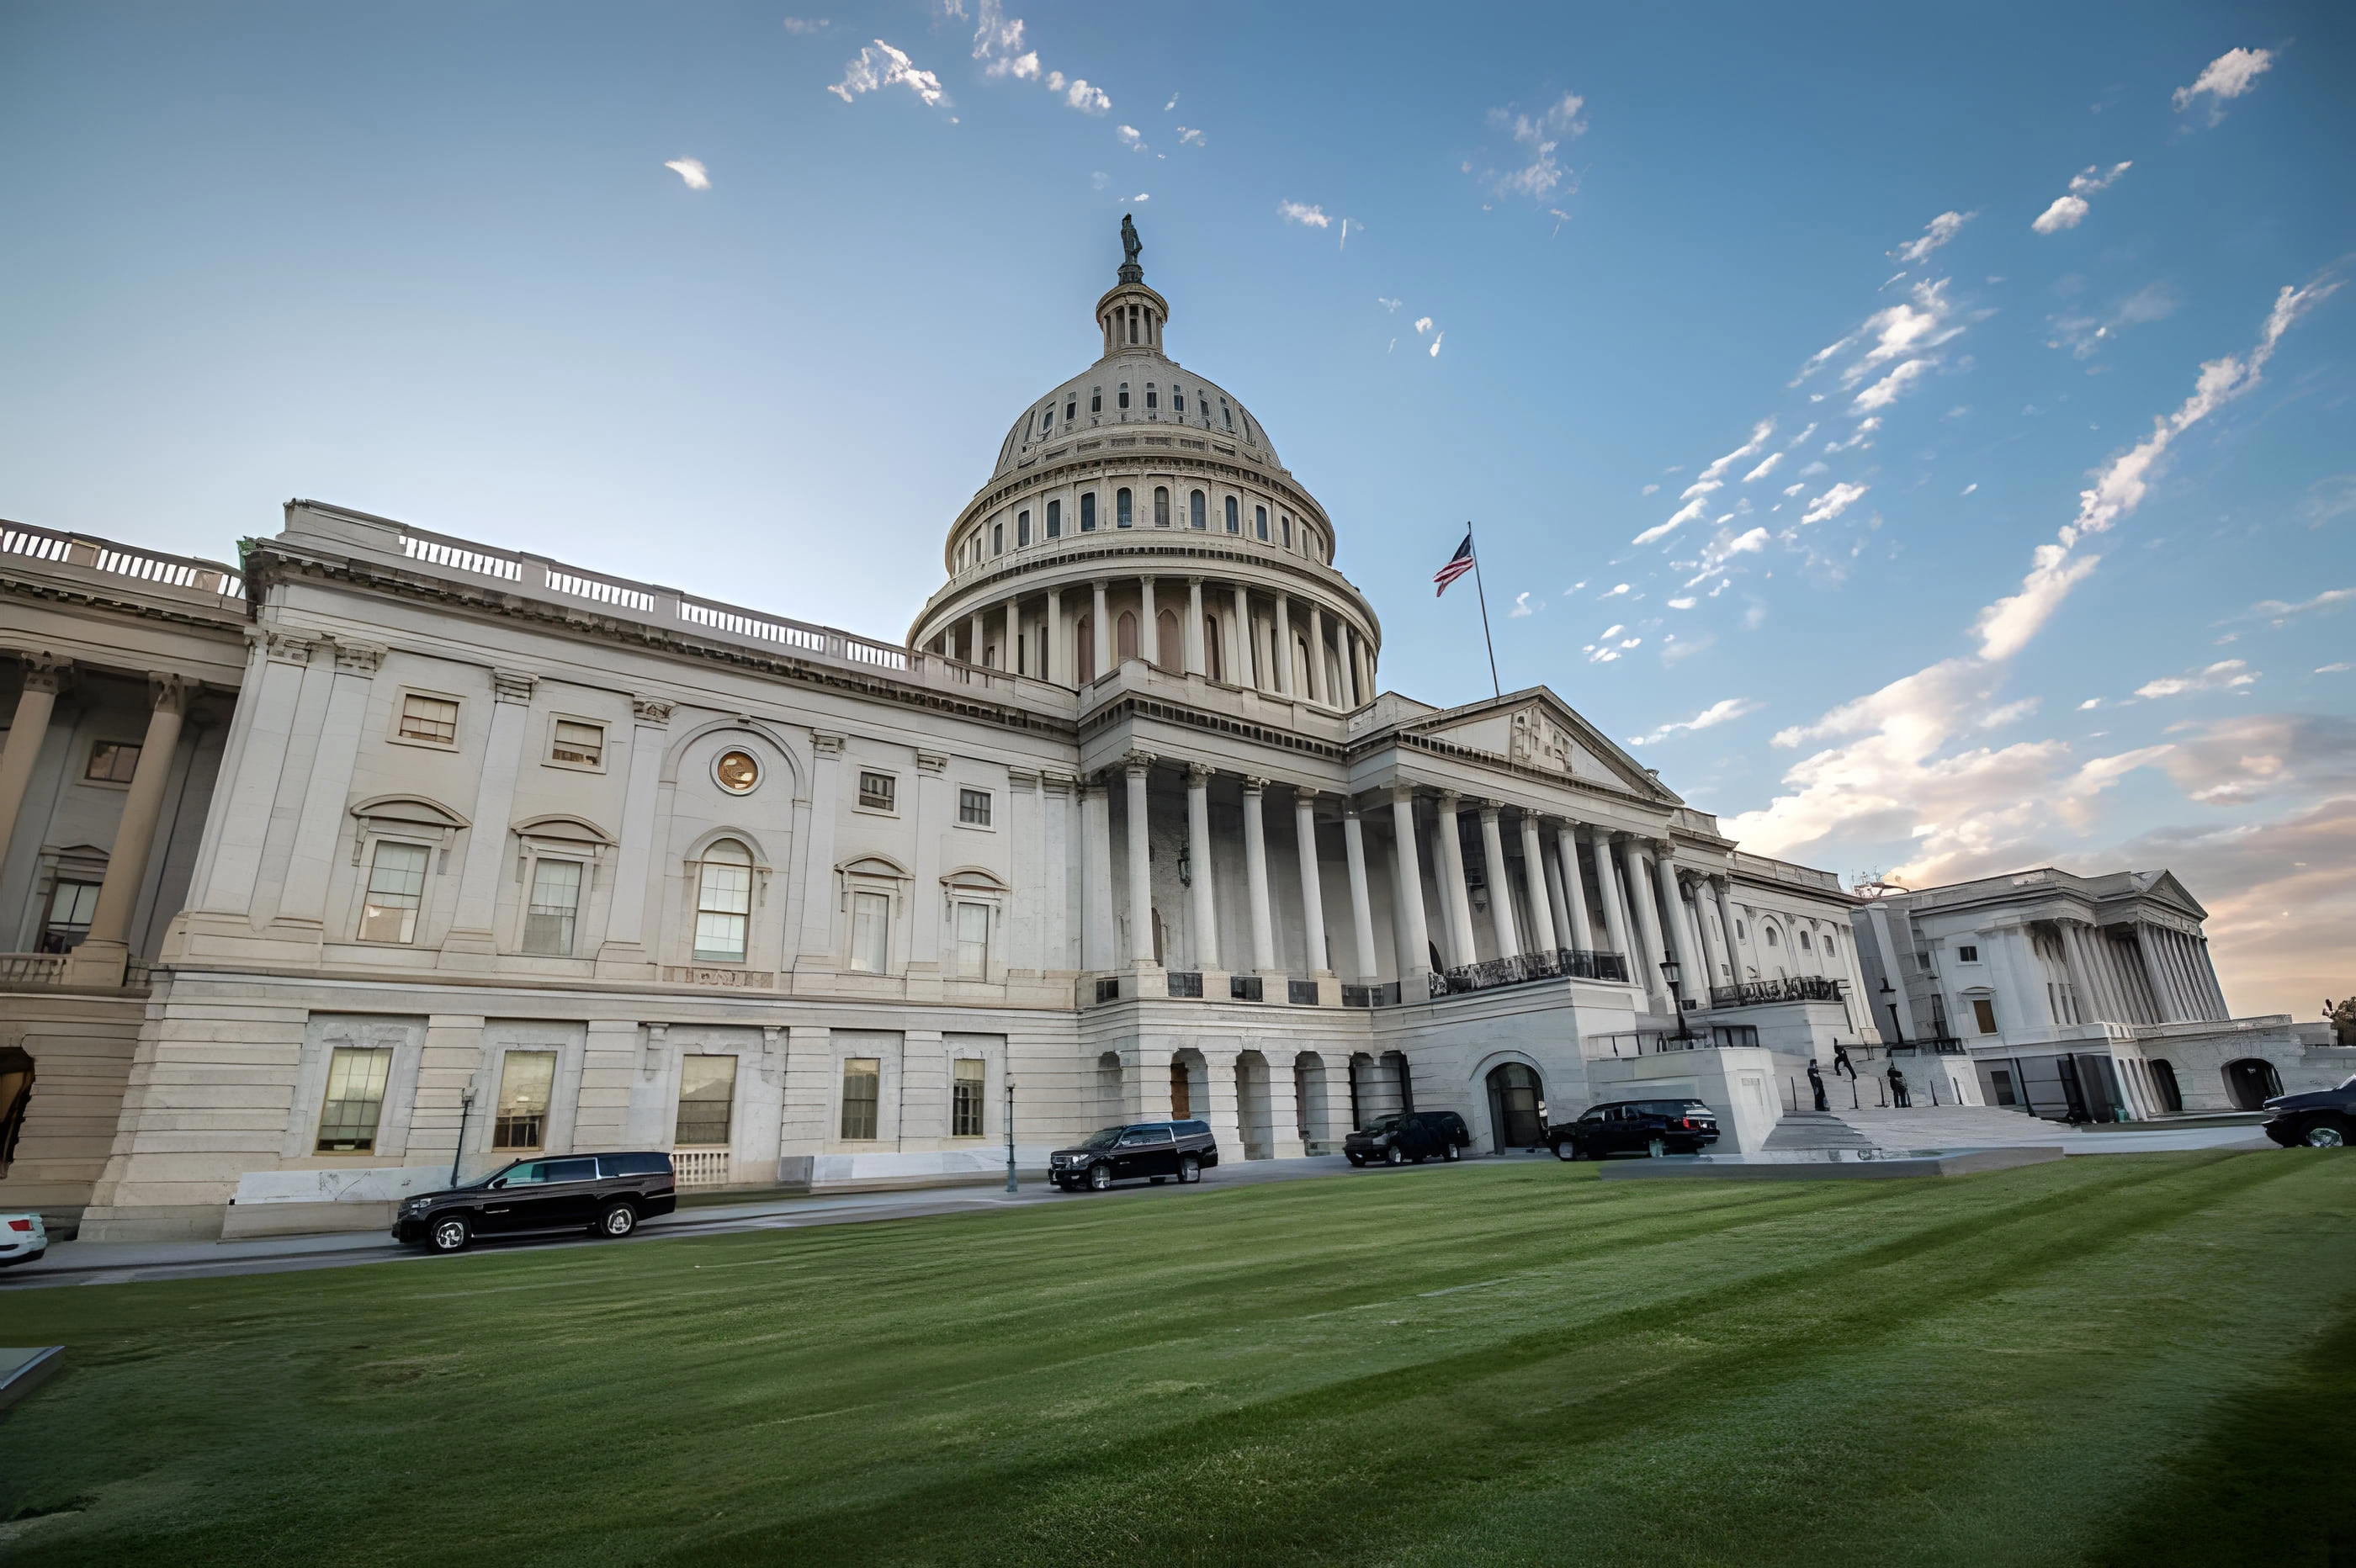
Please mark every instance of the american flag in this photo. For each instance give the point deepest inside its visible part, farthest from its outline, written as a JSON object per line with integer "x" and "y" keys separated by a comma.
{"x": 1458, "y": 565}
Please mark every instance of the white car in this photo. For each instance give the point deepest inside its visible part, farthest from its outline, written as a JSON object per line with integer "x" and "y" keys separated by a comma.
{"x": 22, "y": 1238}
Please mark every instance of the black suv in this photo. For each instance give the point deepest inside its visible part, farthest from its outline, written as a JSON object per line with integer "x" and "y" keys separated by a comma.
{"x": 1409, "y": 1138}
{"x": 2322, "y": 1118}
{"x": 606, "y": 1194}
{"x": 1154, "y": 1150}
{"x": 1631, "y": 1126}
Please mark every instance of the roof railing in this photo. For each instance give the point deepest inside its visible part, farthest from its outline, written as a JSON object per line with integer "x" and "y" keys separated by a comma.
{"x": 121, "y": 559}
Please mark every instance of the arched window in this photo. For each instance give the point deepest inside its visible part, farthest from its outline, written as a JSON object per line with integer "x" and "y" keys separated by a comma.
{"x": 1124, "y": 388}
{"x": 2252, "y": 1082}
{"x": 723, "y": 902}
{"x": 1071, "y": 408}
{"x": 2163, "y": 1078}
{"x": 1168, "y": 652}
{"x": 1087, "y": 511}
{"x": 998, "y": 539}
{"x": 1153, "y": 400}
{"x": 1773, "y": 940}
{"x": 1022, "y": 528}
{"x": 1197, "y": 505}
{"x": 1285, "y": 537}
{"x": 1260, "y": 522}
{"x": 1178, "y": 401}
{"x": 1829, "y": 944}
{"x": 1227, "y": 413}
{"x": 1055, "y": 519}
{"x": 1123, "y": 509}
{"x": 1047, "y": 422}
{"x": 1162, "y": 506}
{"x": 1234, "y": 525}
{"x": 1095, "y": 399}
{"x": 1805, "y": 946}
{"x": 1124, "y": 636}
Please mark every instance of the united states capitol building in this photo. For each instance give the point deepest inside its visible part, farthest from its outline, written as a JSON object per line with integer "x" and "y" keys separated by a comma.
{"x": 385, "y": 853}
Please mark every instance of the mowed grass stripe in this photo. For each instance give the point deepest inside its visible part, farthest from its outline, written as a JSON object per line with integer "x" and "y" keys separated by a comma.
{"x": 985, "y": 1384}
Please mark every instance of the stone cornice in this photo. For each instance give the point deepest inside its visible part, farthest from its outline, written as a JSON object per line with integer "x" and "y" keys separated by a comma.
{"x": 94, "y": 598}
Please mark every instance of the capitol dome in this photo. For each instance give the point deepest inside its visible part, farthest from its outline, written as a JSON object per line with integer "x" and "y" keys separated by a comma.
{"x": 1138, "y": 510}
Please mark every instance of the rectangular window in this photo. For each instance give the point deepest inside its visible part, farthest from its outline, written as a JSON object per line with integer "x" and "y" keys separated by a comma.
{"x": 973, "y": 807}
{"x": 972, "y": 941}
{"x": 1124, "y": 505}
{"x": 582, "y": 745}
{"x": 877, "y": 791}
{"x": 112, "y": 761}
{"x": 723, "y": 909}
{"x": 965, "y": 1100}
{"x": 862, "y": 1079}
{"x": 1055, "y": 519}
{"x": 1022, "y": 528}
{"x": 356, "y": 1080}
{"x": 707, "y": 1094}
{"x": 1984, "y": 1015}
{"x": 1285, "y": 532}
{"x": 1260, "y": 522}
{"x": 526, "y": 1078}
{"x": 555, "y": 904}
{"x": 1967, "y": 954}
{"x": 1088, "y": 512}
{"x": 2002, "y": 1081}
{"x": 998, "y": 539}
{"x": 1232, "y": 514}
{"x": 71, "y": 905}
{"x": 870, "y": 933}
{"x": 396, "y": 887}
{"x": 429, "y": 719}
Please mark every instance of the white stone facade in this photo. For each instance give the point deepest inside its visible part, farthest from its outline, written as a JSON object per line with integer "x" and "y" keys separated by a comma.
{"x": 507, "y": 854}
{"x": 2076, "y": 997}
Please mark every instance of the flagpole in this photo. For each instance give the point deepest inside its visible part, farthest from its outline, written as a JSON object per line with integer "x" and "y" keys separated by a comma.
{"x": 1482, "y": 589}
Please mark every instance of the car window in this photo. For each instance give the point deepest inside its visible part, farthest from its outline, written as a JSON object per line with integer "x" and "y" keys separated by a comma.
{"x": 1383, "y": 1123}
{"x": 1194, "y": 1129}
{"x": 1105, "y": 1140}
{"x": 529, "y": 1174}
{"x": 572, "y": 1170}
{"x": 1667, "y": 1107}
{"x": 1141, "y": 1136}
{"x": 633, "y": 1164}
{"x": 1601, "y": 1113}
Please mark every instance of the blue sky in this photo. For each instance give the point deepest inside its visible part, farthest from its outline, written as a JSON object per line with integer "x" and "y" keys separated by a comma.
{"x": 428, "y": 262}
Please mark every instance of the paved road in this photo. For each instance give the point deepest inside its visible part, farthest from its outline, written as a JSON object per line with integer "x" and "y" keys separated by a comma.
{"x": 120, "y": 1263}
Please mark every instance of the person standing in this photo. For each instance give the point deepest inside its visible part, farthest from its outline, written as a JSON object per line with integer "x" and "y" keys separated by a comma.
{"x": 1898, "y": 1089}
{"x": 1841, "y": 1063}
{"x": 1816, "y": 1087}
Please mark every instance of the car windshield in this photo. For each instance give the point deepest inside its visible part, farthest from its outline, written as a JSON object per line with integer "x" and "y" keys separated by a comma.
{"x": 1104, "y": 1139}
{"x": 1383, "y": 1124}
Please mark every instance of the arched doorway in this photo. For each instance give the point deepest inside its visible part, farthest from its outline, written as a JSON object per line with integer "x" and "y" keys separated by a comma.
{"x": 1169, "y": 649}
{"x": 1124, "y": 636}
{"x": 1514, "y": 1093}
{"x": 2163, "y": 1079}
{"x": 1108, "y": 1096}
{"x": 1254, "y": 1105}
{"x": 2251, "y": 1082}
{"x": 1181, "y": 1089}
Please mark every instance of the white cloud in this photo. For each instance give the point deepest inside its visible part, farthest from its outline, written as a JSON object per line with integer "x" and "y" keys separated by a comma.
{"x": 998, "y": 42}
{"x": 2333, "y": 668}
{"x": 2277, "y": 611}
{"x": 1389, "y": 304}
{"x": 2119, "y": 487}
{"x": 1861, "y": 436}
{"x": 802, "y": 27}
{"x": 2067, "y": 211}
{"x": 1748, "y": 449}
{"x": 1437, "y": 339}
{"x": 1130, "y": 137}
{"x": 2083, "y": 333}
{"x": 692, "y": 171}
{"x": 1613, "y": 592}
{"x": 2230, "y": 75}
{"x": 1765, "y": 468}
{"x": 1538, "y": 136}
{"x": 881, "y": 65}
{"x": 1188, "y": 137}
{"x": 1085, "y": 99}
{"x": 1937, "y": 232}
{"x": 1709, "y": 717}
{"x": 2223, "y": 675}
{"x": 1833, "y": 503}
{"x": 1791, "y": 490}
{"x": 1696, "y": 496}
{"x": 1422, "y": 324}
{"x": 1685, "y": 603}
{"x": 1522, "y": 606}
{"x": 1301, "y": 212}
{"x": 1888, "y": 390}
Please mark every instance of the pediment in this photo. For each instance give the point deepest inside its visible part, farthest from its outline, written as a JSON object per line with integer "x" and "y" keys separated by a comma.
{"x": 410, "y": 808}
{"x": 1536, "y": 728}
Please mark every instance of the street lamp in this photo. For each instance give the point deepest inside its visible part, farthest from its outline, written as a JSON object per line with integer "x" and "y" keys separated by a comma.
{"x": 1896, "y": 1032}
{"x": 1011, "y": 1184}
{"x": 1670, "y": 970}
{"x": 466, "y": 1104}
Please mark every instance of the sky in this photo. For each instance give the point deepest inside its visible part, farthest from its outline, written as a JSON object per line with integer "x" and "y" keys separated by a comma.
{"x": 1929, "y": 446}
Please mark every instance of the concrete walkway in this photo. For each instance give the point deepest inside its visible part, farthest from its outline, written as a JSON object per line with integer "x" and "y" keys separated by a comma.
{"x": 117, "y": 1263}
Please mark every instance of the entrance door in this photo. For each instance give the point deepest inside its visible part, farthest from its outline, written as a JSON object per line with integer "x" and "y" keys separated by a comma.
{"x": 1513, "y": 1095}
{"x": 2252, "y": 1082}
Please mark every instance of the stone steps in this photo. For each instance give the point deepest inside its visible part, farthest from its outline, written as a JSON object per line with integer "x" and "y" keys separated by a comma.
{"x": 1816, "y": 1130}
{"x": 1949, "y": 1127}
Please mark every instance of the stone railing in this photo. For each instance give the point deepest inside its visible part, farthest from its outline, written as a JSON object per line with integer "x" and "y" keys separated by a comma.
{"x": 1552, "y": 963}
{"x": 34, "y": 969}
{"x": 208, "y": 577}
{"x": 1786, "y": 871}
{"x": 1765, "y": 993}
{"x": 1653, "y": 1042}
{"x": 701, "y": 1167}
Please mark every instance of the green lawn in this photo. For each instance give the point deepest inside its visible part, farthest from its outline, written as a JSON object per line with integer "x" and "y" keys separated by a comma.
{"x": 2131, "y": 1360}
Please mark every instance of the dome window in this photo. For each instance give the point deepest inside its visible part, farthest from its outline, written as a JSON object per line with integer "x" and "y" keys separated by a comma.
{"x": 1153, "y": 400}
{"x": 1196, "y": 504}
{"x": 1260, "y": 523}
{"x": 1071, "y": 408}
{"x": 1285, "y": 526}
{"x": 1055, "y": 519}
{"x": 1162, "y": 506}
{"x": 1178, "y": 401}
{"x": 998, "y": 539}
{"x": 1047, "y": 422}
{"x": 1088, "y": 512}
{"x": 1095, "y": 399}
{"x": 1022, "y": 528}
{"x": 1124, "y": 510}
{"x": 1124, "y": 394}
{"x": 1227, "y": 413}
{"x": 1234, "y": 525}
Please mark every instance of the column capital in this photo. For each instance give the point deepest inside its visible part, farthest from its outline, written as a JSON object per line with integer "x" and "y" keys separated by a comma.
{"x": 512, "y": 685}
{"x": 823, "y": 744}
{"x": 1254, "y": 785}
{"x": 1402, "y": 793}
{"x": 1448, "y": 799}
{"x": 289, "y": 647}
{"x": 1022, "y": 778}
{"x": 360, "y": 658}
{"x": 1199, "y": 774}
{"x": 1136, "y": 765}
{"x": 1195, "y": 580}
{"x": 169, "y": 693}
{"x": 46, "y": 672}
{"x": 1306, "y": 793}
{"x": 1490, "y": 809}
{"x": 931, "y": 762}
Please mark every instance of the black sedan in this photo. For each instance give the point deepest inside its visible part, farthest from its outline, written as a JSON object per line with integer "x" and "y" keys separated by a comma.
{"x": 2322, "y": 1118}
{"x": 604, "y": 1194}
{"x": 1632, "y": 1126}
{"x": 1153, "y": 1151}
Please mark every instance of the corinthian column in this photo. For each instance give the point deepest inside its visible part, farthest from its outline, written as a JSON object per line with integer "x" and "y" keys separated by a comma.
{"x": 1202, "y": 909}
{"x": 1140, "y": 870}
{"x": 1501, "y": 886}
{"x": 100, "y": 958}
{"x": 1648, "y": 923}
{"x": 1455, "y": 896}
{"x": 1535, "y": 884}
{"x": 1414, "y": 941}
{"x": 1361, "y": 910}
{"x": 1263, "y": 926}
{"x": 1312, "y": 892}
{"x": 43, "y": 676}
{"x": 1574, "y": 891}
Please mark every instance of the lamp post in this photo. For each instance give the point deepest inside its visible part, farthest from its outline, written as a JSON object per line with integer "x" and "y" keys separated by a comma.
{"x": 1897, "y": 1031}
{"x": 1670, "y": 970}
{"x": 466, "y": 1104}
{"x": 1013, "y": 1185}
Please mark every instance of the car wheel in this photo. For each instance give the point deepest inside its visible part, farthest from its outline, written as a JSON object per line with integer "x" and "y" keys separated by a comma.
{"x": 618, "y": 1220}
{"x": 1189, "y": 1169}
{"x": 1566, "y": 1148}
{"x": 1394, "y": 1156}
{"x": 2324, "y": 1132}
{"x": 1355, "y": 1159}
{"x": 449, "y": 1234}
{"x": 1099, "y": 1178}
{"x": 1452, "y": 1154}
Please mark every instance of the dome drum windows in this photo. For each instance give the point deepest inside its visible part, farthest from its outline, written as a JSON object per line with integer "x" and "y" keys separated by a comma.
{"x": 1124, "y": 508}
{"x": 1152, "y": 401}
{"x": 1197, "y": 506}
{"x": 1055, "y": 519}
{"x": 1022, "y": 528}
{"x": 1162, "y": 506}
{"x": 998, "y": 539}
{"x": 1123, "y": 402}
{"x": 1087, "y": 511}
{"x": 1095, "y": 399}
{"x": 1260, "y": 522}
{"x": 1234, "y": 516}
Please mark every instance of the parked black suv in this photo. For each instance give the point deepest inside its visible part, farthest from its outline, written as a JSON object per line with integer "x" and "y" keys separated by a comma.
{"x": 1630, "y": 1126}
{"x": 605, "y": 1193}
{"x": 1154, "y": 1150}
{"x": 2322, "y": 1118}
{"x": 1409, "y": 1138}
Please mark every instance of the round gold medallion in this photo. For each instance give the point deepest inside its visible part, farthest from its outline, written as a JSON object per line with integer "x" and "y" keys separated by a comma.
{"x": 737, "y": 771}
